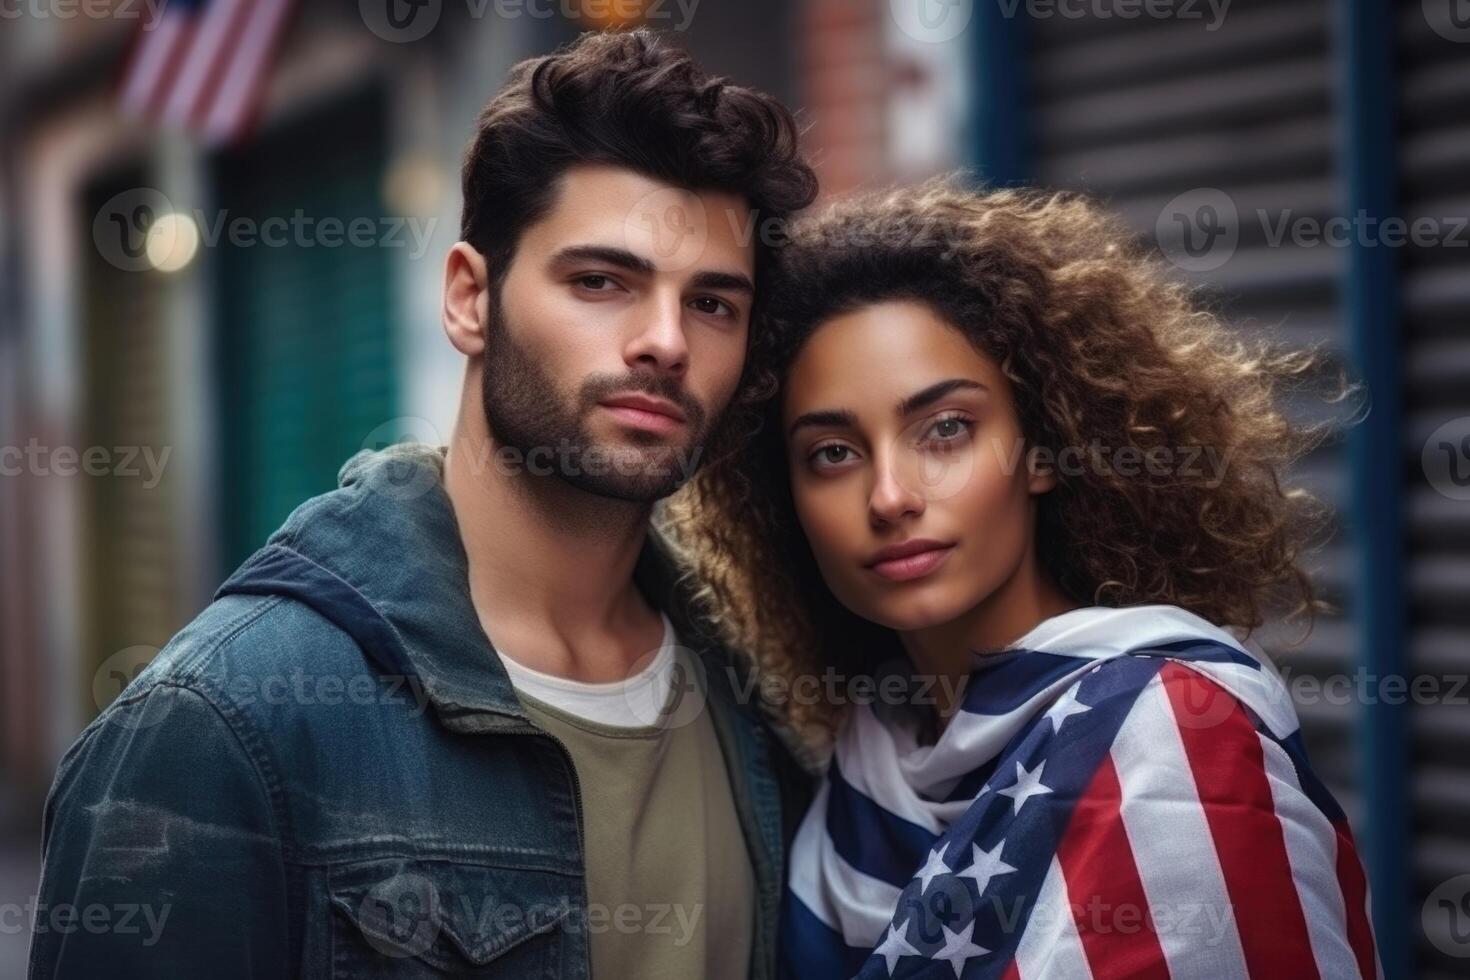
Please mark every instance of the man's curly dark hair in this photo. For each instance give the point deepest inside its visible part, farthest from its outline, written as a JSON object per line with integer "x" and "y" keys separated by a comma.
{"x": 625, "y": 98}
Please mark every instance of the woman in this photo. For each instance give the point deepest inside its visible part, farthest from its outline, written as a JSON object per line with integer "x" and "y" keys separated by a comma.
{"x": 997, "y": 456}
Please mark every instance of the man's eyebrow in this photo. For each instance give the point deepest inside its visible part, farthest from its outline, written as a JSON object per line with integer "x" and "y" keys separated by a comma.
{"x": 624, "y": 259}
{"x": 932, "y": 394}
{"x": 737, "y": 281}
{"x": 609, "y": 254}
{"x": 836, "y": 417}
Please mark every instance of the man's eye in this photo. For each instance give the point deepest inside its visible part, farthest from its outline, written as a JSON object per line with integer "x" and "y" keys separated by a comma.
{"x": 713, "y": 306}
{"x": 595, "y": 282}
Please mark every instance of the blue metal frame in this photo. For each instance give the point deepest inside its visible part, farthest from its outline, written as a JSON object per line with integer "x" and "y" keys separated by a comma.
{"x": 1367, "y": 78}
{"x": 999, "y": 117}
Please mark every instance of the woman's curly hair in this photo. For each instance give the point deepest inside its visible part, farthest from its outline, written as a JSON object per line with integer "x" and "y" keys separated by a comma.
{"x": 1103, "y": 350}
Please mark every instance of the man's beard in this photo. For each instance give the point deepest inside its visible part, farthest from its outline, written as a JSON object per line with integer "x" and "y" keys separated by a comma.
{"x": 525, "y": 412}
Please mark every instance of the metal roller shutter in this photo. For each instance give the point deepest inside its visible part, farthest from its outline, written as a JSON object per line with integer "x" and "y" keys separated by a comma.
{"x": 306, "y": 345}
{"x": 1435, "y": 173}
{"x": 1141, "y": 111}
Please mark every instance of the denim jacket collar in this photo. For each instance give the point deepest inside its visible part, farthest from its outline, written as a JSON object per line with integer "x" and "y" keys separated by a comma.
{"x": 383, "y": 559}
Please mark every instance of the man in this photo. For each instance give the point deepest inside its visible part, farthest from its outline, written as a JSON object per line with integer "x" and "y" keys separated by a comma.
{"x": 457, "y": 716}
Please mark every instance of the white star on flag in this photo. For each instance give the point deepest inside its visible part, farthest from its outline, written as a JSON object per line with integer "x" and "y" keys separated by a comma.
{"x": 933, "y": 866}
{"x": 1067, "y": 706}
{"x": 958, "y": 948}
{"x": 895, "y": 947}
{"x": 987, "y": 865}
{"x": 1027, "y": 785}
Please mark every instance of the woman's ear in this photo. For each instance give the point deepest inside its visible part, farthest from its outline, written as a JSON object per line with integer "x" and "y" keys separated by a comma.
{"x": 466, "y": 298}
{"x": 1041, "y": 475}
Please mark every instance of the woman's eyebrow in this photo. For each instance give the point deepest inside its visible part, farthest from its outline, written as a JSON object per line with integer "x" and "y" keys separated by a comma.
{"x": 841, "y": 417}
{"x": 932, "y": 394}
{"x": 835, "y": 417}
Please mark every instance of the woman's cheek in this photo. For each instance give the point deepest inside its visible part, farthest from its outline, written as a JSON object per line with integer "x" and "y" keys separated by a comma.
{"x": 821, "y": 509}
{"x": 831, "y": 521}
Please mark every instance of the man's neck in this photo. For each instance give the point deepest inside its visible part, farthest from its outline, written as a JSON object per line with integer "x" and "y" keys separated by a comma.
{"x": 550, "y": 565}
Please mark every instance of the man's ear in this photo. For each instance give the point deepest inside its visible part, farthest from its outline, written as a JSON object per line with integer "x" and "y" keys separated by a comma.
{"x": 466, "y": 298}
{"x": 1041, "y": 475}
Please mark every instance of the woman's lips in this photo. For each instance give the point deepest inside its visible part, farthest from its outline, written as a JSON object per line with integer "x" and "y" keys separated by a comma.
{"x": 912, "y": 566}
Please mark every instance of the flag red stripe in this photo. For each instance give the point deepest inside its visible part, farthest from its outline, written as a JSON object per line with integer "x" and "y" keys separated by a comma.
{"x": 209, "y": 89}
{"x": 158, "y": 98}
{"x": 211, "y": 38}
{"x": 1354, "y": 885}
{"x": 1229, "y": 769}
{"x": 243, "y": 89}
{"x": 1103, "y": 887}
{"x": 156, "y": 60}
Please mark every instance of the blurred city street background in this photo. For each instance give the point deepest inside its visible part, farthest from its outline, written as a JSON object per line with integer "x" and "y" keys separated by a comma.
{"x": 220, "y": 280}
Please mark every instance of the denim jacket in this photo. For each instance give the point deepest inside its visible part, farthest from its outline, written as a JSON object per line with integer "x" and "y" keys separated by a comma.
{"x": 328, "y": 774}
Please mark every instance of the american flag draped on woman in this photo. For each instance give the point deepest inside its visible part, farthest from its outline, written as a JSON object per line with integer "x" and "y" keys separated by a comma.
{"x": 1125, "y": 794}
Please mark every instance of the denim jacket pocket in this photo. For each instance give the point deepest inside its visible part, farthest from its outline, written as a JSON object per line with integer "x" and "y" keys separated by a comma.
{"x": 406, "y": 917}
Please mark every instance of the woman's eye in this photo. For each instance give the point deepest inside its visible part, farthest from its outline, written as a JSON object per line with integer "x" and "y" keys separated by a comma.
{"x": 830, "y": 455}
{"x": 949, "y": 429}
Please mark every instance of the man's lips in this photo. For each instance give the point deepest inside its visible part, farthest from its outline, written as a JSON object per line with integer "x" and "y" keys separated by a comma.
{"x": 646, "y": 412}
{"x": 910, "y": 559}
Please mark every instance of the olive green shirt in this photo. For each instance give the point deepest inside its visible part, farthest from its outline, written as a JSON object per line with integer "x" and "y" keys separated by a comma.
{"x": 670, "y": 887}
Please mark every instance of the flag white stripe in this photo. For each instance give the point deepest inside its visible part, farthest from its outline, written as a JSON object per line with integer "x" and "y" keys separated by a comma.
{"x": 1177, "y": 864}
{"x": 856, "y": 905}
{"x": 871, "y": 765}
{"x": 156, "y": 49}
{"x": 1051, "y": 946}
{"x": 1099, "y": 633}
{"x": 1262, "y": 689}
{"x": 971, "y": 736}
{"x": 210, "y": 39}
{"x": 1311, "y": 848}
{"x": 242, "y": 77}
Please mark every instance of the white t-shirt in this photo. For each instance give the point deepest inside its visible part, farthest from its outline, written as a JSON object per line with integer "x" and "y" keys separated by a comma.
{"x": 634, "y": 702}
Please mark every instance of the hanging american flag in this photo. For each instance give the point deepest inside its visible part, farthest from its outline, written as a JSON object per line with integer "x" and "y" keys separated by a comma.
{"x": 1123, "y": 794}
{"x": 201, "y": 64}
